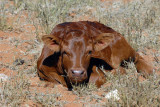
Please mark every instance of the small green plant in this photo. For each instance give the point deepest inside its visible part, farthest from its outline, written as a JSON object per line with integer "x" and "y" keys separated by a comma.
{"x": 18, "y": 3}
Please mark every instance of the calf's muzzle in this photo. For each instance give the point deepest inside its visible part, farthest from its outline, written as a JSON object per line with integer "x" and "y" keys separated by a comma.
{"x": 77, "y": 75}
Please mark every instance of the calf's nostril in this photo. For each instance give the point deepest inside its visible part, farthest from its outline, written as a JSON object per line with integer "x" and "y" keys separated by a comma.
{"x": 77, "y": 72}
{"x": 82, "y": 72}
{"x": 72, "y": 71}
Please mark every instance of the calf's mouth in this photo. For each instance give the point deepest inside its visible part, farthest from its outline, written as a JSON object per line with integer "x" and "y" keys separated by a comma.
{"x": 77, "y": 75}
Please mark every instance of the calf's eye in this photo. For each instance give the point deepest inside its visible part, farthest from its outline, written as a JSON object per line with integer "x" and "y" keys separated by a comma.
{"x": 89, "y": 52}
{"x": 65, "y": 53}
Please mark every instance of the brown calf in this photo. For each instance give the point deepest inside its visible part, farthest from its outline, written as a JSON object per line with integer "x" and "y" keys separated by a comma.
{"x": 73, "y": 50}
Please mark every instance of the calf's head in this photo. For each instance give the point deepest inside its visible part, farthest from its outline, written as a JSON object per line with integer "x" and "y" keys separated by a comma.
{"x": 76, "y": 51}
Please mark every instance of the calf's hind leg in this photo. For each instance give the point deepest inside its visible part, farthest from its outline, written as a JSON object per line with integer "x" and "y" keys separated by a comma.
{"x": 143, "y": 66}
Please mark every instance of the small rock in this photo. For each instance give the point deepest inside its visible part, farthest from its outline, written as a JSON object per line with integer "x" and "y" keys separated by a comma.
{"x": 18, "y": 62}
{"x": 113, "y": 94}
{"x": 3, "y": 77}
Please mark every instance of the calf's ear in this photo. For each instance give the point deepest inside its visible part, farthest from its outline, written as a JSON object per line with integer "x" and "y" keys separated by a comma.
{"x": 102, "y": 41}
{"x": 51, "y": 42}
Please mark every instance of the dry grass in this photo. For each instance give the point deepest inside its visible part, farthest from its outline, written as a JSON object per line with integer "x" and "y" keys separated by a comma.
{"x": 3, "y": 16}
{"x": 134, "y": 92}
{"x": 83, "y": 90}
{"x": 137, "y": 21}
{"x": 15, "y": 91}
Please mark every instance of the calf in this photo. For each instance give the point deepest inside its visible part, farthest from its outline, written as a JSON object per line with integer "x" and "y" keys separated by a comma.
{"x": 73, "y": 50}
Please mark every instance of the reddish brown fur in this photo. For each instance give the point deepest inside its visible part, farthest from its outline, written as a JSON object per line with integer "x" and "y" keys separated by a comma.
{"x": 74, "y": 49}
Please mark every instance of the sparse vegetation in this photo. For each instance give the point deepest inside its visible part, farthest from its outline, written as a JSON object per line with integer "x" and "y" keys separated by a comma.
{"x": 15, "y": 91}
{"x": 134, "y": 92}
{"x": 83, "y": 90}
{"x": 137, "y": 20}
{"x": 3, "y": 23}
